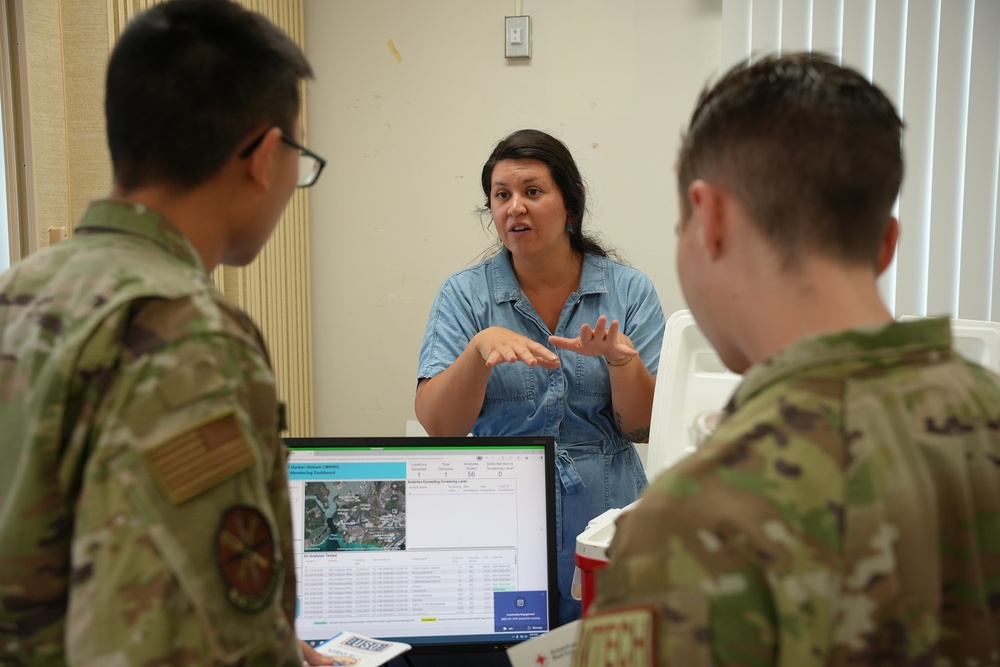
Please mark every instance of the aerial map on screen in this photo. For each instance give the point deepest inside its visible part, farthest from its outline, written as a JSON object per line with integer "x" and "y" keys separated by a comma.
{"x": 355, "y": 515}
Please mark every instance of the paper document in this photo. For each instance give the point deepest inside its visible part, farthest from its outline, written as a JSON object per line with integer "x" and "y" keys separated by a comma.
{"x": 553, "y": 649}
{"x": 357, "y": 650}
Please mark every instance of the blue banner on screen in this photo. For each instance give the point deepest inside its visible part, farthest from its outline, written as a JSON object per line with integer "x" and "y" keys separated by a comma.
{"x": 345, "y": 471}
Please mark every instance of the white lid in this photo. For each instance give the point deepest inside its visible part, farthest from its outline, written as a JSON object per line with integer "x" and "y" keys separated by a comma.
{"x": 595, "y": 538}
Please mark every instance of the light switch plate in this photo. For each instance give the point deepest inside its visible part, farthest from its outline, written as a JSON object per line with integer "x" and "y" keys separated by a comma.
{"x": 517, "y": 36}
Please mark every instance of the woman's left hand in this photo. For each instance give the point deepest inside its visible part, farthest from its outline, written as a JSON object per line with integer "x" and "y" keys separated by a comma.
{"x": 602, "y": 340}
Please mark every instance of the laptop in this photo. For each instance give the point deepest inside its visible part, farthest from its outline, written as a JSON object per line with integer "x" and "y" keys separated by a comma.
{"x": 447, "y": 544}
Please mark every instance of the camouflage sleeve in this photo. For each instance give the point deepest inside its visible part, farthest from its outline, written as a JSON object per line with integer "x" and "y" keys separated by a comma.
{"x": 726, "y": 547}
{"x": 181, "y": 548}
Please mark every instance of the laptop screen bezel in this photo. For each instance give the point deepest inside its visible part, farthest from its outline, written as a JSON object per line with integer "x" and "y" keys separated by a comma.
{"x": 437, "y": 442}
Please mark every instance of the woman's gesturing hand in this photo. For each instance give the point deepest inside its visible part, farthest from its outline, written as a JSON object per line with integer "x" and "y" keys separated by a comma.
{"x": 498, "y": 345}
{"x": 601, "y": 340}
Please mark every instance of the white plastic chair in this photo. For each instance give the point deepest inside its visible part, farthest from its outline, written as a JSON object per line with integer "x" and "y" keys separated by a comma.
{"x": 690, "y": 380}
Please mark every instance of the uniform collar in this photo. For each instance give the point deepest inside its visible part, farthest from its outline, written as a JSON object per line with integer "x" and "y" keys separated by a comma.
{"x": 121, "y": 217}
{"x": 890, "y": 344}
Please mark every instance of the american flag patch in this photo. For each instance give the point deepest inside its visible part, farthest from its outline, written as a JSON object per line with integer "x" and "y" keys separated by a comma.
{"x": 201, "y": 457}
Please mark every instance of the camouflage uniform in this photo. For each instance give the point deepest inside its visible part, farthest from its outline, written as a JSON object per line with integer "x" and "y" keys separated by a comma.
{"x": 845, "y": 512}
{"x": 144, "y": 513}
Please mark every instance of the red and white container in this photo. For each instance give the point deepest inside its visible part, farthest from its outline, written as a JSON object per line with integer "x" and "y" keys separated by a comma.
{"x": 591, "y": 549}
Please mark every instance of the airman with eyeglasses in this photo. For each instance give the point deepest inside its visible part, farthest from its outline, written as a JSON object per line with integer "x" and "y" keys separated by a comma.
{"x": 148, "y": 519}
{"x": 310, "y": 164}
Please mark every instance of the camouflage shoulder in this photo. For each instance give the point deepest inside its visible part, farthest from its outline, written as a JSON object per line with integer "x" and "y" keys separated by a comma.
{"x": 154, "y": 323}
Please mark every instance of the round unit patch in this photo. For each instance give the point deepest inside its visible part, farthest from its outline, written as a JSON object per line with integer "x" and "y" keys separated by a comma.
{"x": 245, "y": 552}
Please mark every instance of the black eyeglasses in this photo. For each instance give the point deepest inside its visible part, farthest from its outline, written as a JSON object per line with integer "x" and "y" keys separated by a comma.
{"x": 310, "y": 164}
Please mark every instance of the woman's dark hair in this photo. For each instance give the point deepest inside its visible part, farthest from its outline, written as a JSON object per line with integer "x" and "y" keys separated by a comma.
{"x": 538, "y": 145}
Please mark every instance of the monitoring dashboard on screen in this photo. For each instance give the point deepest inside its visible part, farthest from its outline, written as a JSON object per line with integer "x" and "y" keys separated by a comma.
{"x": 443, "y": 543}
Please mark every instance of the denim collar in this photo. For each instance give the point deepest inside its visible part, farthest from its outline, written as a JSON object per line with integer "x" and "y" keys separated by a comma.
{"x": 593, "y": 277}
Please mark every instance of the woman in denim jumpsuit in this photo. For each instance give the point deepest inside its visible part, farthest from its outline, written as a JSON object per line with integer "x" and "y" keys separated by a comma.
{"x": 549, "y": 336}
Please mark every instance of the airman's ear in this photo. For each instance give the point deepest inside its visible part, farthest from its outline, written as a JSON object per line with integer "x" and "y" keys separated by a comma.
{"x": 260, "y": 163}
{"x": 887, "y": 249}
{"x": 708, "y": 208}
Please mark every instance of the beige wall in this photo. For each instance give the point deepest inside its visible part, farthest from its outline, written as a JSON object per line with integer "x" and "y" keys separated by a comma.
{"x": 406, "y": 138}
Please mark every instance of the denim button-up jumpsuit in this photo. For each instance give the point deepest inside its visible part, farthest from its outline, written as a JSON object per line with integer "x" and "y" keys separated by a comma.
{"x": 598, "y": 469}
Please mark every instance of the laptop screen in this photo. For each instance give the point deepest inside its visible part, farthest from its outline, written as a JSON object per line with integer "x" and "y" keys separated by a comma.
{"x": 447, "y": 544}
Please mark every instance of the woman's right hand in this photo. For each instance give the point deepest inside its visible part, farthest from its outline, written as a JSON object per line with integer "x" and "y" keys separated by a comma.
{"x": 498, "y": 345}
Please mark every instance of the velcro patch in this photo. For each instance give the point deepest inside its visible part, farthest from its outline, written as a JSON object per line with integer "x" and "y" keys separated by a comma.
{"x": 625, "y": 636}
{"x": 245, "y": 553}
{"x": 200, "y": 457}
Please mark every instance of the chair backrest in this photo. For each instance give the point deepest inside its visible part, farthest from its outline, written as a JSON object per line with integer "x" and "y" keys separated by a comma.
{"x": 691, "y": 379}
